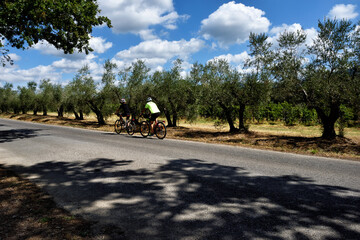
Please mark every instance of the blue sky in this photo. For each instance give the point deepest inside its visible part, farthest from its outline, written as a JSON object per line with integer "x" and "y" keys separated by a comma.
{"x": 159, "y": 31}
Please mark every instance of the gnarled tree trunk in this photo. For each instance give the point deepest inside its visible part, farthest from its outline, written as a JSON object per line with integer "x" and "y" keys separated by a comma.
{"x": 328, "y": 121}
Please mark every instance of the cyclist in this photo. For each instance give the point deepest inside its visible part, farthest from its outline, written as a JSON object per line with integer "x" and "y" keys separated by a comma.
{"x": 154, "y": 110}
{"x": 125, "y": 110}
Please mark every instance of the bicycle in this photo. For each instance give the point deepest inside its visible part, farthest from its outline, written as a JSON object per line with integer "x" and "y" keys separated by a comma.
{"x": 132, "y": 126}
{"x": 159, "y": 128}
{"x": 120, "y": 124}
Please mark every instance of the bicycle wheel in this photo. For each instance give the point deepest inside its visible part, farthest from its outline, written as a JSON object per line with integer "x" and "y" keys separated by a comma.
{"x": 131, "y": 128}
{"x": 119, "y": 126}
{"x": 144, "y": 128}
{"x": 160, "y": 130}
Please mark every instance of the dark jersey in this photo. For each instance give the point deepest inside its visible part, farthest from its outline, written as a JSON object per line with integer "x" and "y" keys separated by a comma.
{"x": 124, "y": 108}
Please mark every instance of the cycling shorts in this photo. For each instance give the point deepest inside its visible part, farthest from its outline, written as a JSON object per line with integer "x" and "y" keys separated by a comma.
{"x": 154, "y": 116}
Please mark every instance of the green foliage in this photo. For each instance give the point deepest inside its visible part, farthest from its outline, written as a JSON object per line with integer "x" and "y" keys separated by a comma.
{"x": 329, "y": 82}
{"x": 308, "y": 116}
{"x": 66, "y": 24}
{"x": 174, "y": 95}
{"x": 218, "y": 80}
{"x": 78, "y": 91}
{"x": 286, "y": 112}
{"x": 9, "y": 99}
{"x": 134, "y": 85}
{"x": 346, "y": 114}
{"x": 46, "y": 96}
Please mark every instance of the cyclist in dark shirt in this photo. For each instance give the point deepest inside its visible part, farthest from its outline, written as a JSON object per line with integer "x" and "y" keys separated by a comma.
{"x": 124, "y": 109}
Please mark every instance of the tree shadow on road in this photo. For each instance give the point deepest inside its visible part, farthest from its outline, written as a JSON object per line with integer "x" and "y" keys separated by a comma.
{"x": 188, "y": 197}
{"x": 12, "y": 135}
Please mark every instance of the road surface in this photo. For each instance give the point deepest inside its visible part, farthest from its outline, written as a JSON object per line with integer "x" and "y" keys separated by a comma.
{"x": 170, "y": 189}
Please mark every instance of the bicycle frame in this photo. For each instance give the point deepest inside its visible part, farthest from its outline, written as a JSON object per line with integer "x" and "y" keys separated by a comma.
{"x": 156, "y": 124}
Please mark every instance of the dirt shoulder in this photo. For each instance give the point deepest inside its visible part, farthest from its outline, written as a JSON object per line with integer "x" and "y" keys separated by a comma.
{"x": 27, "y": 212}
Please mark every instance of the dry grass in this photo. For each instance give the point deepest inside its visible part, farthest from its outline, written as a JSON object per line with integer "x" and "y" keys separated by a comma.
{"x": 28, "y": 213}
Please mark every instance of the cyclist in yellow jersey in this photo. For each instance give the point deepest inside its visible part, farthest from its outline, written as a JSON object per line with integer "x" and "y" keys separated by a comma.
{"x": 154, "y": 110}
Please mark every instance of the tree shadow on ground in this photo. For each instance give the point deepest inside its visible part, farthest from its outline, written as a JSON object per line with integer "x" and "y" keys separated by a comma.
{"x": 194, "y": 199}
{"x": 340, "y": 145}
{"x": 12, "y": 135}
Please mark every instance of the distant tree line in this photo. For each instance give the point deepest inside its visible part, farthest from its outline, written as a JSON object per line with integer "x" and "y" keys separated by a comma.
{"x": 288, "y": 81}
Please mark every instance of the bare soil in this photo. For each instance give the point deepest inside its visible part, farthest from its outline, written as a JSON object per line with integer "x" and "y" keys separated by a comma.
{"x": 26, "y": 212}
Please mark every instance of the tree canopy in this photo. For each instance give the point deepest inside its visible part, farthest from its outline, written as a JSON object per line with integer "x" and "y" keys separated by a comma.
{"x": 65, "y": 24}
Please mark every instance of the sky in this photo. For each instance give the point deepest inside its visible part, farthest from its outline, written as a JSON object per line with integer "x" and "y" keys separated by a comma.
{"x": 160, "y": 31}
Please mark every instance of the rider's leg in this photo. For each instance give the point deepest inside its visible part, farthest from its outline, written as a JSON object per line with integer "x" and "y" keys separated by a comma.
{"x": 152, "y": 127}
{"x": 127, "y": 120}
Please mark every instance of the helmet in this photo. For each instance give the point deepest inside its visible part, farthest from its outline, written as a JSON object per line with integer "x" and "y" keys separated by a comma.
{"x": 149, "y": 99}
{"x": 123, "y": 100}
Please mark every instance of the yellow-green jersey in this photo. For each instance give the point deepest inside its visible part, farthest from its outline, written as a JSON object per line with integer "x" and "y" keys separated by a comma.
{"x": 152, "y": 107}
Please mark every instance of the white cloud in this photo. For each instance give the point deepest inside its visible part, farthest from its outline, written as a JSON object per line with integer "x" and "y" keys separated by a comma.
{"x": 69, "y": 66}
{"x": 275, "y": 32}
{"x": 236, "y": 59}
{"x": 233, "y": 22}
{"x": 54, "y": 71}
{"x": 311, "y": 34}
{"x": 14, "y": 57}
{"x": 341, "y": 11}
{"x": 137, "y": 16}
{"x": 98, "y": 44}
{"x": 15, "y": 75}
{"x": 158, "y": 52}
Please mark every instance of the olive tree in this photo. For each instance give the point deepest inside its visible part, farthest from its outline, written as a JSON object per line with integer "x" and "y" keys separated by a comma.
{"x": 217, "y": 79}
{"x": 331, "y": 78}
{"x": 173, "y": 93}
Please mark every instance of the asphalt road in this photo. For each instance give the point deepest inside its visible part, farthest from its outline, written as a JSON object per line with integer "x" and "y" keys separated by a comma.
{"x": 170, "y": 189}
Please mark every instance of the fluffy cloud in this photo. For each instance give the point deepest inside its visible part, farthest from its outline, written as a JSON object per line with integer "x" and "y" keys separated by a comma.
{"x": 137, "y": 16}
{"x": 233, "y": 22}
{"x": 236, "y": 59}
{"x": 15, "y": 75}
{"x": 55, "y": 71}
{"x": 341, "y": 11}
{"x": 275, "y": 32}
{"x": 158, "y": 52}
{"x": 14, "y": 57}
{"x": 69, "y": 66}
{"x": 98, "y": 44}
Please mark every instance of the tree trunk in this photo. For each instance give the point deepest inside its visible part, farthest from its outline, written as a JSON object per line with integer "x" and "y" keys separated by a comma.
{"x": 174, "y": 120}
{"x": 98, "y": 113}
{"x": 229, "y": 119}
{"x": 44, "y": 111}
{"x": 76, "y": 115}
{"x": 168, "y": 118}
{"x": 60, "y": 111}
{"x": 173, "y": 110}
{"x": 100, "y": 117}
{"x": 81, "y": 117}
{"x": 328, "y": 122}
{"x": 241, "y": 117}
